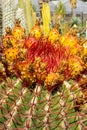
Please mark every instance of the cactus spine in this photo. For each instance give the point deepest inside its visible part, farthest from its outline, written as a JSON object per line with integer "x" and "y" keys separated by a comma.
{"x": 40, "y": 110}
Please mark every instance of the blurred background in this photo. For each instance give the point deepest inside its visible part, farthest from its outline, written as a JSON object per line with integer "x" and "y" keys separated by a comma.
{"x": 13, "y": 9}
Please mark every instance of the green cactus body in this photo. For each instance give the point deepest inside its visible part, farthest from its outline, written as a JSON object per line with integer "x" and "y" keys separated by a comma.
{"x": 40, "y": 110}
{"x": 21, "y": 3}
{"x": 28, "y": 12}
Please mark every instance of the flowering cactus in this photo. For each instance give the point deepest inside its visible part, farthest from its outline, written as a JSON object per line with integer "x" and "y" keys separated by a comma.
{"x": 47, "y": 90}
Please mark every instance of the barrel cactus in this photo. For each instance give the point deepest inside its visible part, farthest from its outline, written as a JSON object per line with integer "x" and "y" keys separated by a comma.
{"x": 43, "y": 80}
{"x": 43, "y": 97}
{"x": 65, "y": 108}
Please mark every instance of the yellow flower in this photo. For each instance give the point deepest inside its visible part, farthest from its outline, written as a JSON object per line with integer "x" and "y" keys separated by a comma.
{"x": 11, "y": 54}
{"x": 75, "y": 65}
{"x": 19, "y": 33}
{"x": 9, "y": 41}
{"x": 51, "y": 79}
{"x": 53, "y": 36}
{"x": 36, "y": 32}
{"x": 68, "y": 40}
